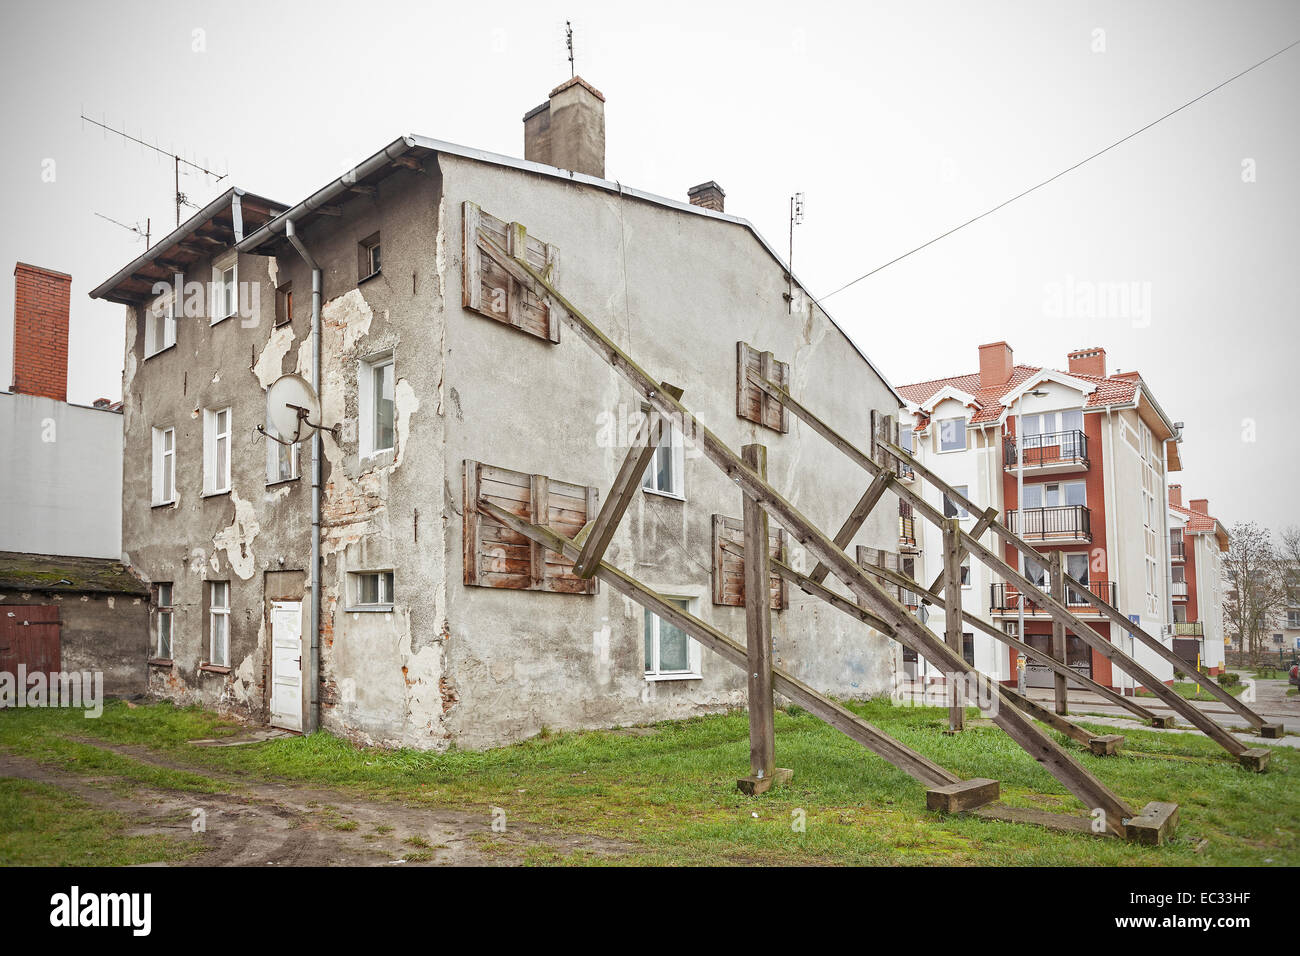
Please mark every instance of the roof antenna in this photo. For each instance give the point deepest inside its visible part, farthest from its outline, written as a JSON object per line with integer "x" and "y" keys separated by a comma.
{"x": 141, "y": 233}
{"x": 568, "y": 39}
{"x": 796, "y": 218}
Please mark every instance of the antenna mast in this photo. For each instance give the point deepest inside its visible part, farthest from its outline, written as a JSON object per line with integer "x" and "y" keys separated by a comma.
{"x": 136, "y": 228}
{"x": 181, "y": 198}
{"x": 796, "y": 217}
{"x": 568, "y": 39}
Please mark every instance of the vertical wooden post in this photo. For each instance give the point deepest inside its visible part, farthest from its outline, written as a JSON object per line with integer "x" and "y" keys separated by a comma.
{"x": 1058, "y": 636}
{"x": 952, "y": 618}
{"x": 758, "y": 636}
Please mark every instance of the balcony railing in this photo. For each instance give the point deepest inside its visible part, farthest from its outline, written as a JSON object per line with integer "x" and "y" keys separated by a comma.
{"x": 1043, "y": 524}
{"x": 1178, "y": 550}
{"x": 1005, "y": 598}
{"x": 1178, "y": 590}
{"x": 1053, "y": 448}
{"x": 907, "y": 530}
{"x": 1189, "y": 629}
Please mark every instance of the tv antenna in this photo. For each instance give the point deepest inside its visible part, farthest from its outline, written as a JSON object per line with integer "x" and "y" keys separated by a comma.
{"x": 177, "y": 161}
{"x": 568, "y": 39}
{"x": 143, "y": 234}
{"x": 796, "y": 217}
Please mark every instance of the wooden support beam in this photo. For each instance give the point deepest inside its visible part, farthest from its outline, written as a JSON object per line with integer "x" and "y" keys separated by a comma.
{"x": 758, "y": 632}
{"x": 809, "y": 586}
{"x": 915, "y": 765}
{"x": 966, "y": 795}
{"x": 1045, "y": 715}
{"x": 1113, "y": 614}
{"x": 989, "y": 516}
{"x": 879, "y": 485}
{"x": 911, "y": 632}
{"x": 952, "y": 619}
{"x": 1060, "y": 682}
{"x": 1184, "y": 708}
{"x": 625, "y": 486}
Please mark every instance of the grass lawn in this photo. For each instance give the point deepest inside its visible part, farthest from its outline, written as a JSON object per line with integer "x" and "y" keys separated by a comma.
{"x": 669, "y": 790}
{"x": 1194, "y": 691}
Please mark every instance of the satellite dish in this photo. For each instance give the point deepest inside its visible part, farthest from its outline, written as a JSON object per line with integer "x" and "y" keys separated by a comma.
{"x": 292, "y": 407}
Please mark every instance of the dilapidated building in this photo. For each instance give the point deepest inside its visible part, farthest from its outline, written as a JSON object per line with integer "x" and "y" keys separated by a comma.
{"x": 443, "y": 380}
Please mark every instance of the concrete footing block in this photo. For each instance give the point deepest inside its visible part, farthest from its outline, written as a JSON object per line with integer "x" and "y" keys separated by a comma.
{"x": 1272, "y": 731}
{"x": 1255, "y": 759}
{"x": 1163, "y": 722}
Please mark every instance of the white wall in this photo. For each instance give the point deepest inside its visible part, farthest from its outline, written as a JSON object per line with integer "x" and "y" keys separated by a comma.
{"x": 60, "y": 478}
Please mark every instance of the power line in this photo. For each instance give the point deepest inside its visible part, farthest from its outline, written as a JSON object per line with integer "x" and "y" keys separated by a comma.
{"x": 1069, "y": 169}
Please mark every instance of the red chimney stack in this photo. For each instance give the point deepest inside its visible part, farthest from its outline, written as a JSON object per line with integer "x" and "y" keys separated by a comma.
{"x": 1200, "y": 505}
{"x": 996, "y": 364}
{"x": 1088, "y": 362}
{"x": 1176, "y": 495}
{"x": 41, "y": 301}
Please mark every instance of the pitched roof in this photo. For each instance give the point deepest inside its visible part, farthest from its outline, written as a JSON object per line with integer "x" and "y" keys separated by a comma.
{"x": 1198, "y": 523}
{"x": 1110, "y": 390}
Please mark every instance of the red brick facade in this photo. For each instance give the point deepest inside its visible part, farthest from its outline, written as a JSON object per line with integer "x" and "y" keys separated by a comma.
{"x": 41, "y": 302}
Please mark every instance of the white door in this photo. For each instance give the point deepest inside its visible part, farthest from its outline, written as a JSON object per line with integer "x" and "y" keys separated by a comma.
{"x": 286, "y": 664}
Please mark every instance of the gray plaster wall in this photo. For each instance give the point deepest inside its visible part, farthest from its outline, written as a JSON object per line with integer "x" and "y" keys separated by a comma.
{"x": 676, "y": 290}
{"x": 60, "y": 478}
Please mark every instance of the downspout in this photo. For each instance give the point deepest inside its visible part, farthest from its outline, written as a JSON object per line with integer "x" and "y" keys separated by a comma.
{"x": 313, "y": 660}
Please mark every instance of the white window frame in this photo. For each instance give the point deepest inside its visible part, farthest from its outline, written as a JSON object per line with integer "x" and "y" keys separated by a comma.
{"x": 164, "y": 465}
{"x": 163, "y": 307}
{"x": 675, "y": 449}
{"x": 219, "y": 614}
{"x": 274, "y": 451}
{"x": 961, "y": 512}
{"x": 940, "y": 425}
{"x": 214, "y": 483}
{"x": 368, "y": 248}
{"x": 385, "y": 585}
{"x": 366, "y": 410}
{"x": 225, "y": 296}
{"x": 164, "y": 615}
{"x": 693, "y": 655}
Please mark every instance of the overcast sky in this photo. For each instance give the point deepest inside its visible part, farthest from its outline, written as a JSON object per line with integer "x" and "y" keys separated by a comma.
{"x": 897, "y": 120}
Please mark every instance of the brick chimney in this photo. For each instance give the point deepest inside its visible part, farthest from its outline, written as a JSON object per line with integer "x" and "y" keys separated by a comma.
{"x": 568, "y": 130}
{"x": 41, "y": 298}
{"x": 709, "y": 195}
{"x": 996, "y": 364}
{"x": 1088, "y": 362}
{"x": 1200, "y": 505}
{"x": 1176, "y": 495}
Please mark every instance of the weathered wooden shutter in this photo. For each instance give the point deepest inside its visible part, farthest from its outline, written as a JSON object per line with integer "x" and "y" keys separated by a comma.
{"x": 486, "y": 281}
{"x": 880, "y": 558}
{"x": 729, "y": 563}
{"x": 495, "y": 556}
{"x": 752, "y": 403}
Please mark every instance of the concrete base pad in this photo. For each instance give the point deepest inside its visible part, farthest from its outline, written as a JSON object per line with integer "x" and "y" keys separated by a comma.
{"x": 1163, "y": 722}
{"x": 752, "y": 786}
{"x": 1255, "y": 759}
{"x": 966, "y": 795}
{"x": 1154, "y": 825}
{"x": 1106, "y": 745}
{"x": 1272, "y": 731}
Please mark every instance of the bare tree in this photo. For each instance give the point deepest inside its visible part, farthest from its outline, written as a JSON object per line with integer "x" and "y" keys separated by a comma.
{"x": 1255, "y": 595}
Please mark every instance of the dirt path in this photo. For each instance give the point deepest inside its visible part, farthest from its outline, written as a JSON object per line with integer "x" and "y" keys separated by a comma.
{"x": 260, "y": 823}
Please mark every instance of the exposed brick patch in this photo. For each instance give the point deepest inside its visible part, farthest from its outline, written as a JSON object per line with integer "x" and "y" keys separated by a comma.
{"x": 41, "y": 304}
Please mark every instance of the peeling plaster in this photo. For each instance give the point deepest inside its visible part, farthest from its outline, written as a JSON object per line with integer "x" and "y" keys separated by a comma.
{"x": 271, "y": 361}
{"x": 237, "y": 540}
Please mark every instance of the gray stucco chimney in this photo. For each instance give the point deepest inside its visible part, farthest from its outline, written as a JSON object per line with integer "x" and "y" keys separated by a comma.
{"x": 568, "y": 130}
{"x": 709, "y": 195}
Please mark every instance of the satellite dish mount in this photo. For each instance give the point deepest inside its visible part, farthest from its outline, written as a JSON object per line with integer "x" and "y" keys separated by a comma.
{"x": 292, "y": 407}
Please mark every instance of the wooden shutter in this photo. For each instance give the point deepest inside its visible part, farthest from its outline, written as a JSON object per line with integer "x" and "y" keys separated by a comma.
{"x": 486, "y": 281}
{"x": 729, "y": 563}
{"x": 880, "y": 558}
{"x": 495, "y": 556}
{"x": 752, "y": 403}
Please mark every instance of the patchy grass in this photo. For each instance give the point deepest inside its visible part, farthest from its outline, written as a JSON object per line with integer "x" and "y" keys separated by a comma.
{"x": 669, "y": 790}
{"x": 41, "y": 825}
{"x": 1193, "y": 691}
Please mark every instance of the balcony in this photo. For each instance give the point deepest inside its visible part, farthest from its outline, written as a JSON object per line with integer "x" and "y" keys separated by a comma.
{"x": 1177, "y": 550}
{"x": 1065, "y": 524}
{"x": 906, "y": 531}
{"x": 1178, "y": 590}
{"x": 1048, "y": 454}
{"x": 1189, "y": 629}
{"x": 1004, "y": 600}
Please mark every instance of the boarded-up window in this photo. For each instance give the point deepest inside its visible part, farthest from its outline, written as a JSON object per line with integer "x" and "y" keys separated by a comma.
{"x": 495, "y": 556}
{"x": 752, "y": 403}
{"x": 879, "y": 558}
{"x": 729, "y": 563}
{"x": 489, "y": 277}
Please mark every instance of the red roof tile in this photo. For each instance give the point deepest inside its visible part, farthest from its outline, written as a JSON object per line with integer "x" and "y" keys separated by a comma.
{"x": 1112, "y": 390}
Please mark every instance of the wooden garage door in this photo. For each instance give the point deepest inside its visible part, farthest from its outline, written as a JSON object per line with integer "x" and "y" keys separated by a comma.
{"x": 29, "y": 635}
